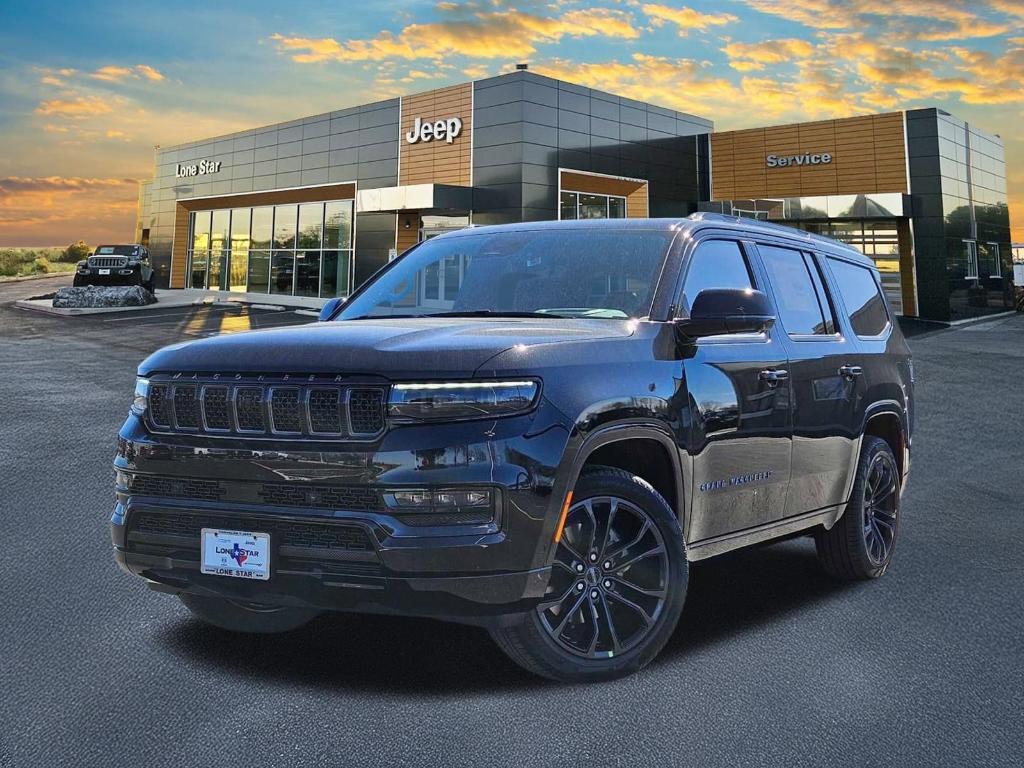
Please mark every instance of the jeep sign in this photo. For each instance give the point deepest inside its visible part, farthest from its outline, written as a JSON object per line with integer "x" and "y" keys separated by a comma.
{"x": 774, "y": 161}
{"x": 441, "y": 129}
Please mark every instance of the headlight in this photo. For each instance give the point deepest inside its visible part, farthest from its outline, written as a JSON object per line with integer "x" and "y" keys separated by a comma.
{"x": 141, "y": 396}
{"x": 449, "y": 401}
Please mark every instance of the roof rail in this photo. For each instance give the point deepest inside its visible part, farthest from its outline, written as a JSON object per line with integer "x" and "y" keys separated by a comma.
{"x": 750, "y": 223}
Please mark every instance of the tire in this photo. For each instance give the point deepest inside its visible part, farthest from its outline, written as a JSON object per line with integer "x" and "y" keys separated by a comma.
{"x": 553, "y": 641}
{"x": 247, "y": 618}
{"x": 77, "y": 282}
{"x": 861, "y": 543}
{"x": 149, "y": 286}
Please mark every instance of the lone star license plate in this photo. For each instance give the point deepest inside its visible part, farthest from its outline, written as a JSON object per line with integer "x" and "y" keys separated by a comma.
{"x": 242, "y": 554}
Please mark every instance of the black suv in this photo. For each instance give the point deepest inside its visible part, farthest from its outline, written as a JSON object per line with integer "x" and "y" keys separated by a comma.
{"x": 532, "y": 427}
{"x": 116, "y": 265}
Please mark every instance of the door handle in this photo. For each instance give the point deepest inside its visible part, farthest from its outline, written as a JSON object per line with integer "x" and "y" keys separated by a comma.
{"x": 850, "y": 372}
{"x": 773, "y": 377}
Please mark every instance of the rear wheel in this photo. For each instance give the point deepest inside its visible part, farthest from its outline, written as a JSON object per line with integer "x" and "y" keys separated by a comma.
{"x": 617, "y": 586}
{"x": 860, "y": 545}
{"x": 249, "y": 618}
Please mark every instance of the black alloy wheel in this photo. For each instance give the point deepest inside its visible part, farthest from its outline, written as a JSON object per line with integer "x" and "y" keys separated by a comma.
{"x": 881, "y": 505}
{"x": 609, "y": 581}
{"x": 617, "y": 586}
{"x": 860, "y": 544}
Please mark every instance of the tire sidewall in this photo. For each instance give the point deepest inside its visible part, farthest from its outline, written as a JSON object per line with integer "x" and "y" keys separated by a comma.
{"x": 854, "y": 514}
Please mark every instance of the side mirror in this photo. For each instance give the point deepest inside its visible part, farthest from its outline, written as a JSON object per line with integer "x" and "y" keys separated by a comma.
{"x": 717, "y": 311}
{"x": 330, "y": 308}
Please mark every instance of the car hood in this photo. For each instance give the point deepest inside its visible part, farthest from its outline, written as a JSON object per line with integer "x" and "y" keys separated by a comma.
{"x": 425, "y": 347}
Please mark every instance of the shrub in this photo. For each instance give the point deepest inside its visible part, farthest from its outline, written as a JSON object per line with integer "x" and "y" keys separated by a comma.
{"x": 76, "y": 251}
{"x": 41, "y": 265}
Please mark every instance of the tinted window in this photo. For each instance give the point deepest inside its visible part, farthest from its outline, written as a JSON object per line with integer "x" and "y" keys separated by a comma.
{"x": 795, "y": 295}
{"x": 716, "y": 264}
{"x": 864, "y": 301}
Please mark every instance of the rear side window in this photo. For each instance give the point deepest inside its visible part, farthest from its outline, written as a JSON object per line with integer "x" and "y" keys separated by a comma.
{"x": 716, "y": 264}
{"x": 801, "y": 307}
{"x": 862, "y": 296}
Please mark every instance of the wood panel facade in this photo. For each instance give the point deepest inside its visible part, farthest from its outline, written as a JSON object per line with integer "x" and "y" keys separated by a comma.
{"x": 634, "y": 190}
{"x": 868, "y": 155}
{"x": 179, "y": 247}
{"x": 437, "y": 161}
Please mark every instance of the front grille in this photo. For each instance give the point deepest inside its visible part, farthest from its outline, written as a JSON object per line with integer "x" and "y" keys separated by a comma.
{"x": 288, "y": 533}
{"x": 251, "y": 407}
{"x": 108, "y": 262}
{"x": 188, "y": 488}
{"x": 349, "y": 498}
{"x": 425, "y": 519}
{"x": 366, "y": 409}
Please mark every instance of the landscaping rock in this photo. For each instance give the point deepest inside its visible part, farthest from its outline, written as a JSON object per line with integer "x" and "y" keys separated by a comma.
{"x": 91, "y": 296}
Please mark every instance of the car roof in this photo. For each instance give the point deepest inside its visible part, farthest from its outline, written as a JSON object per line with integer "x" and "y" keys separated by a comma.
{"x": 693, "y": 223}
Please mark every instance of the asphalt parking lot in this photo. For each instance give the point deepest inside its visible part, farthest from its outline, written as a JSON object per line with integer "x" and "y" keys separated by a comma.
{"x": 772, "y": 664}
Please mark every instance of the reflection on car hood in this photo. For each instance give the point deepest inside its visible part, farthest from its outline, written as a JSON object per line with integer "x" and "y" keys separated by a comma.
{"x": 425, "y": 347}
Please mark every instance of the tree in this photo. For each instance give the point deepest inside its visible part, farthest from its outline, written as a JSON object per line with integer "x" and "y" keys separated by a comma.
{"x": 76, "y": 251}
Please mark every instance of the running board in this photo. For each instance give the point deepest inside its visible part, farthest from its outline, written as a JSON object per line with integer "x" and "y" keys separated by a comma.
{"x": 718, "y": 545}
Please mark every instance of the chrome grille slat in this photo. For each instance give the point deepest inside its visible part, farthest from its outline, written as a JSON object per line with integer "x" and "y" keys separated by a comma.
{"x": 283, "y": 409}
{"x": 114, "y": 262}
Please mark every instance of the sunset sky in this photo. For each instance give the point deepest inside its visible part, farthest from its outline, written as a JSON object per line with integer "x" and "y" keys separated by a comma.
{"x": 88, "y": 88}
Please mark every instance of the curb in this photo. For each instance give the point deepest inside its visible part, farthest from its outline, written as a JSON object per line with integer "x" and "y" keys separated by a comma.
{"x": 25, "y": 278}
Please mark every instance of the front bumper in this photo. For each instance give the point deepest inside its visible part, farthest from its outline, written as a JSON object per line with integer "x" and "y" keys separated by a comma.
{"x": 92, "y": 276}
{"x": 349, "y": 559}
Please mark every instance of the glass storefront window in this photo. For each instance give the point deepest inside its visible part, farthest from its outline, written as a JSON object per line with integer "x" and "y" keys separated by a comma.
{"x": 284, "y": 226}
{"x": 200, "y": 248}
{"x": 239, "y": 269}
{"x": 334, "y": 274}
{"x": 302, "y": 250}
{"x": 262, "y": 228}
{"x": 282, "y": 272}
{"x": 220, "y": 240}
{"x": 593, "y": 207}
{"x": 338, "y": 224}
{"x": 581, "y": 205}
{"x": 307, "y": 273}
{"x": 569, "y": 202}
{"x": 259, "y": 271}
{"x": 311, "y": 222}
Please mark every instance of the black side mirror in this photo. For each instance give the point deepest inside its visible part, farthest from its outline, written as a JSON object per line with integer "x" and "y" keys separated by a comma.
{"x": 717, "y": 311}
{"x": 330, "y": 308}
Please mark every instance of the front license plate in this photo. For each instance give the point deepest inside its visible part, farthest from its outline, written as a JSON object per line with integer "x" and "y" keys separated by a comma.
{"x": 242, "y": 554}
{"x": 104, "y": 271}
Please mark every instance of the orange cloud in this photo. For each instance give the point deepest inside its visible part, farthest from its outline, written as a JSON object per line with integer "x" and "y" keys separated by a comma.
{"x": 488, "y": 35}
{"x": 754, "y": 56}
{"x": 55, "y": 210}
{"x": 116, "y": 74}
{"x": 74, "y": 107}
{"x": 686, "y": 19}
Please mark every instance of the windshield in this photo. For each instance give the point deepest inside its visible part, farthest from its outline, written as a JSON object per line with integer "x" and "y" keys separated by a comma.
{"x": 602, "y": 273}
{"x": 117, "y": 250}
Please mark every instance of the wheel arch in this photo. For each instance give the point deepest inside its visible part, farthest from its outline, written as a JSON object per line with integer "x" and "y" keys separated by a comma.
{"x": 655, "y": 458}
{"x": 886, "y": 420}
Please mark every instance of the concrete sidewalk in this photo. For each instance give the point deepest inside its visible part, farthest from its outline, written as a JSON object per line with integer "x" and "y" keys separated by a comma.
{"x": 187, "y": 297}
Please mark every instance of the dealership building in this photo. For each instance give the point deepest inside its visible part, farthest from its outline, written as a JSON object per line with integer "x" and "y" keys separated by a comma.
{"x": 314, "y": 206}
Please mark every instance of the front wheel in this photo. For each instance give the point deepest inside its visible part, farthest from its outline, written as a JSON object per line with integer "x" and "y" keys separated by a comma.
{"x": 860, "y": 545}
{"x": 244, "y": 617}
{"x": 617, "y": 586}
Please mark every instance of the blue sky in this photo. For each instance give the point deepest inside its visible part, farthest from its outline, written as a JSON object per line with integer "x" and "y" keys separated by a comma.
{"x": 88, "y": 88}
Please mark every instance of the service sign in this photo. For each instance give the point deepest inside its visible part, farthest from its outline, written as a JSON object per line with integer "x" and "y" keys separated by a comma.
{"x": 780, "y": 161}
